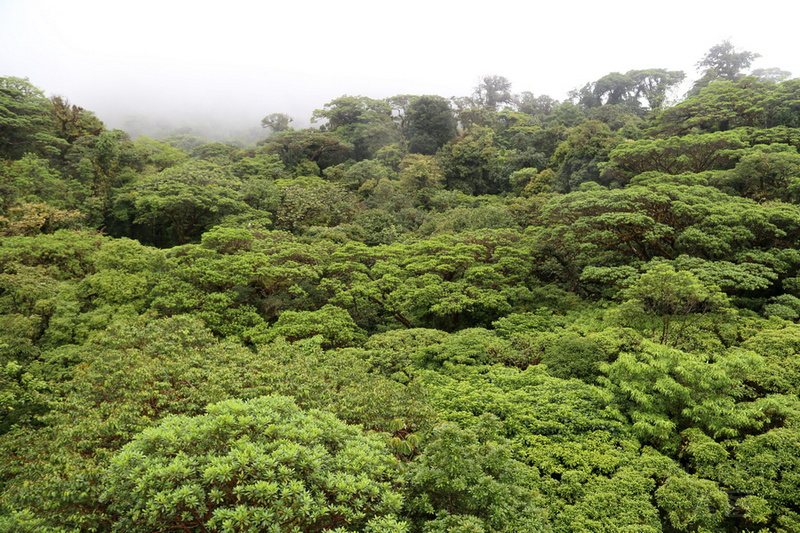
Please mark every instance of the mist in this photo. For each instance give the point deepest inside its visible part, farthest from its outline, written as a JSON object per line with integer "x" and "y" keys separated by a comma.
{"x": 218, "y": 68}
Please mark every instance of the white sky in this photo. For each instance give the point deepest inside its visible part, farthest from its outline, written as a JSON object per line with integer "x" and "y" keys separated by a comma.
{"x": 250, "y": 58}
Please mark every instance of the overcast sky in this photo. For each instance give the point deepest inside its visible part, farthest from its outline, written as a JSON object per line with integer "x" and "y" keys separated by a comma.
{"x": 246, "y": 59}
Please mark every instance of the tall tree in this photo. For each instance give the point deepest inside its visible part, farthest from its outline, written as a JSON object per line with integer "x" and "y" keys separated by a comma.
{"x": 186, "y": 199}
{"x": 26, "y": 122}
{"x": 276, "y": 122}
{"x": 493, "y": 92}
{"x": 72, "y": 121}
{"x": 630, "y": 89}
{"x": 429, "y": 124}
{"x": 362, "y": 121}
{"x": 723, "y": 62}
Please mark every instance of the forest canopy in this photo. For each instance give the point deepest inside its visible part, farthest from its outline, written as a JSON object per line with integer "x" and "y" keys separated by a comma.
{"x": 496, "y": 312}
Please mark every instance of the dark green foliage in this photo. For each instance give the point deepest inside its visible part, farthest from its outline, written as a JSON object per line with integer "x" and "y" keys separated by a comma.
{"x": 630, "y": 90}
{"x": 429, "y": 124}
{"x": 364, "y": 123}
{"x": 472, "y": 163}
{"x": 26, "y": 123}
{"x": 188, "y": 199}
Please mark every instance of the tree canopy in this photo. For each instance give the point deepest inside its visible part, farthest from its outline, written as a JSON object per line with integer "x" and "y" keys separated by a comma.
{"x": 495, "y": 312}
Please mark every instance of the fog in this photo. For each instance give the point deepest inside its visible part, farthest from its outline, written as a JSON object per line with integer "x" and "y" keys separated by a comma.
{"x": 151, "y": 66}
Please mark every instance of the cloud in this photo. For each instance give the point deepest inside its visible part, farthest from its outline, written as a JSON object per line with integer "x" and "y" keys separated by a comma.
{"x": 248, "y": 59}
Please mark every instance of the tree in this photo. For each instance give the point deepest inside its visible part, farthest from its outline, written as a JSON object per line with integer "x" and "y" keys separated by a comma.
{"x": 332, "y": 324}
{"x": 772, "y": 74}
{"x": 187, "y": 199}
{"x": 298, "y": 147}
{"x": 767, "y": 173}
{"x": 247, "y": 465}
{"x": 670, "y": 305}
{"x": 578, "y": 157}
{"x": 237, "y": 279}
{"x": 472, "y": 163}
{"x": 72, "y": 121}
{"x": 276, "y": 122}
{"x": 216, "y": 152}
{"x": 26, "y": 121}
{"x": 156, "y": 155}
{"x": 364, "y": 122}
{"x": 129, "y": 376}
{"x": 666, "y": 391}
{"x": 419, "y": 173}
{"x": 312, "y": 201}
{"x": 493, "y": 92}
{"x": 725, "y": 105}
{"x": 537, "y": 106}
{"x": 630, "y": 89}
{"x": 723, "y": 62}
{"x": 468, "y": 480}
{"x": 448, "y": 282}
{"x": 32, "y": 179}
{"x": 693, "y": 153}
{"x": 429, "y": 124}
{"x": 34, "y": 218}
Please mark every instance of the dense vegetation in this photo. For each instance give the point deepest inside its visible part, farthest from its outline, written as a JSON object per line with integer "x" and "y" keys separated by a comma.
{"x": 496, "y": 313}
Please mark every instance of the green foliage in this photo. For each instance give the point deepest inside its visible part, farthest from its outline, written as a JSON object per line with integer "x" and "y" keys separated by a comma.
{"x": 333, "y": 324}
{"x": 238, "y": 279}
{"x": 73, "y": 122}
{"x": 26, "y": 124}
{"x": 158, "y": 155}
{"x": 309, "y": 201}
{"x": 364, "y": 122}
{"x": 364, "y": 174}
{"x": 343, "y": 383}
{"x": 468, "y": 480}
{"x": 295, "y": 148}
{"x": 676, "y": 155}
{"x": 187, "y": 199}
{"x": 128, "y": 377}
{"x": 780, "y": 348}
{"x": 258, "y": 167}
{"x": 638, "y": 223}
{"x": 619, "y": 356}
{"x": 665, "y": 391}
{"x": 277, "y": 122}
{"x": 723, "y": 62}
{"x": 247, "y": 466}
{"x": 472, "y": 163}
{"x": 393, "y": 353}
{"x": 767, "y": 173}
{"x": 725, "y": 105}
{"x": 629, "y": 89}
{"x": 573, "y": 356}
{"x": 765, "y": 468}
{"x": 429, "y": 124}
{"x": 419, "y": 172}
{"x": 692, "y": 504}
{"x": 31, "y": 179}
{"x": 670, "y": 306}
{"x": 475, "y": 346}
{"x": 447, "y": 282}
{"x": 578, "y": 158}
{"x": 35, "y": 218}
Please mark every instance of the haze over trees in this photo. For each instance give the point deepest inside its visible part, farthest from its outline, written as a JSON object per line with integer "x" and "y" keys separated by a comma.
{"x": 496, "y": 312}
